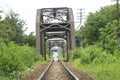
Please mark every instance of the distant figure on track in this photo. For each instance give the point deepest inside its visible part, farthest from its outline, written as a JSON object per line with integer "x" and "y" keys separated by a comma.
{"x": 55, "y": 55}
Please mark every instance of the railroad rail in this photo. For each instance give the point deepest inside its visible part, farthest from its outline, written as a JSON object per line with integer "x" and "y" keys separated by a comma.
{"x": 57, "y": 71}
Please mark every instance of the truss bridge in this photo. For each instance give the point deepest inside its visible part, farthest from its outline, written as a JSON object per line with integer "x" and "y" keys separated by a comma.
{"x": 55, "y": 27}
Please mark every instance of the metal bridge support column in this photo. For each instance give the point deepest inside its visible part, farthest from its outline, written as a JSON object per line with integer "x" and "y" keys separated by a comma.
{"x": 49, "y": 52}
{"x": 43, "y": 45}
{"x": 63, "y": 52}
{"x": 38, "y": 30}
{"x": 63, "y": 49}
{"x": 49, "y": 48}
{"x": 45, "y": 49}
{"x": 68, "y": 44}
{"x": 72, "y": 33}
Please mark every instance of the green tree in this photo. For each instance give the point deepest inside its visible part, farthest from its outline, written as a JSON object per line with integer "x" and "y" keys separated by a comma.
{"x": 6, "y": 30}
{"x": 108, "y": 36}
{"x": 11, "y": 28}
{"x": 102, "y": 28}
{"x": 80, "y": 37}
{"x": 18, "y": 25}
{"x": 30, "y": 39}
{"x": 98, "y": 20}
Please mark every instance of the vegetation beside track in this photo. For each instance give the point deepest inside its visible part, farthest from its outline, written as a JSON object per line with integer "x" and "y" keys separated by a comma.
{"x": 98, "y": 63}
{"x": 16, "y": 61}
{"x": 98, "y": 41}
{"x": 18, "y": 55}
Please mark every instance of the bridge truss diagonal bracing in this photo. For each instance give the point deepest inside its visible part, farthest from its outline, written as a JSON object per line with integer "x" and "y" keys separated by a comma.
{"x": 55, "y": 27}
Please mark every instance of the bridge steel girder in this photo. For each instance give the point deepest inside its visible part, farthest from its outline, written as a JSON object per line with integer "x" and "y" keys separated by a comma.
{"x": 38, "y": 46}
{"x": 72, "y": 31}
{"x": 42, "y": 26}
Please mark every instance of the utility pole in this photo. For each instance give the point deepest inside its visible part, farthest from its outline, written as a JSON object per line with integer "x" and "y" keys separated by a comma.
{"x": 118, "y": 23}
{"x": 118, "y": 14}
{"x": 117, "y": 3}
{"x": 80, "y": 17}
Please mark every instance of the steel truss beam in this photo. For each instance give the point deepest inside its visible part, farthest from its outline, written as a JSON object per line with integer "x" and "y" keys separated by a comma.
{"x": 54, "y": 20}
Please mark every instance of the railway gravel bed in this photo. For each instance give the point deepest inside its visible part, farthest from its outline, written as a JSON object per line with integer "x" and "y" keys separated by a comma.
{"x": 80, "y": 74}
{"x": 57, "y": 73}
{"x": 34, "y": 75}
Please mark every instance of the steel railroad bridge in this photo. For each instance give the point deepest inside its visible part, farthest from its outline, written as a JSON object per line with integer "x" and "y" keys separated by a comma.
{"x": 55, "y": 27}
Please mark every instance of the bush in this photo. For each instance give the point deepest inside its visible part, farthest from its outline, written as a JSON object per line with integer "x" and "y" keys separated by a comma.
{"x": 74, "y": 54}
{"x": 14, "y": 59}
{"x": 92, "y": 54}
{"x": 97, "y": 62}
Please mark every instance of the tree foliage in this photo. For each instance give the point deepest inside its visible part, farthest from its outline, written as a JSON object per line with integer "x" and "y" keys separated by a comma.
{"x": 98, "y": 20}
{"x": 15, "y": 56}
{"x": 101, "y": 27}
{"x": 15, "y": 59}
{"x": 109, "y": 38}
{"x": 30, "y": 39}
{"x": 11, "y": 28}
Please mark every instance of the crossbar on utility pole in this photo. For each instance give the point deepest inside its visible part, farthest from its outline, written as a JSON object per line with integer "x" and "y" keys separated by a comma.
{"x": 80, "y": 17}
{"x": 117, "y": 10}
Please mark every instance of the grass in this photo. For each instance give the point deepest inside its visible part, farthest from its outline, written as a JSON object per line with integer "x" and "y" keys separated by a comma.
{"x": 101, "y": 71}
{"x": 100, "y": 65}
{"x": 17, "y": 61}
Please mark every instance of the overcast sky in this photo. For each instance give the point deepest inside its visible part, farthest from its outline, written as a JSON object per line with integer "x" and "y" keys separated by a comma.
{"x": 27, "y": 8}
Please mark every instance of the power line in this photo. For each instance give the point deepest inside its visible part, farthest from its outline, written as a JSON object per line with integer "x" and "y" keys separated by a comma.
{"x": 80, "y": 17}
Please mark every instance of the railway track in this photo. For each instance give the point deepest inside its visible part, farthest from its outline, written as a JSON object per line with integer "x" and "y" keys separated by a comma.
{"x": 57, "y": 71}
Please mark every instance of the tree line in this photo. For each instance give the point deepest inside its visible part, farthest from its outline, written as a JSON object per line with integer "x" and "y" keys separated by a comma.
{"x": 101, "y": 28}
{"x": 12, "y": 29}
{"x": 18, "y": 57}
{"x": 98, "y": 41}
